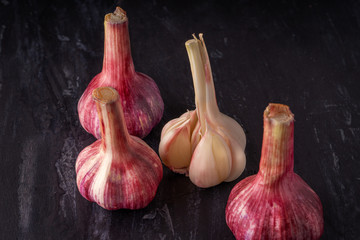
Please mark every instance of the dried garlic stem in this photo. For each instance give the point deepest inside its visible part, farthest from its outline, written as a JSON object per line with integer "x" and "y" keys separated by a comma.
{"x": 277, "y": 155}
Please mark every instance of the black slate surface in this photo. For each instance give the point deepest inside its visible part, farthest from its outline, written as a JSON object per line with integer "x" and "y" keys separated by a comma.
{"x": 305, "y": 54}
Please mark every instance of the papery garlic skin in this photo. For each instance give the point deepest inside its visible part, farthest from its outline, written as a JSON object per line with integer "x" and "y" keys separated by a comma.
{"x": 276, "y": 203}
{"x": 140, "y": 97}
{"x": 119, "y": 170}
{"x": 217, "y": 142}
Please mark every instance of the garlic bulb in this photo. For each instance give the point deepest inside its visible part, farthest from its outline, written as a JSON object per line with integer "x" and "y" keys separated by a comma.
{"x": 205, "y": 144}
{"x": 119, "y": 170}
{"x": 140, "y": 97}
{"x": 276, "y": 203}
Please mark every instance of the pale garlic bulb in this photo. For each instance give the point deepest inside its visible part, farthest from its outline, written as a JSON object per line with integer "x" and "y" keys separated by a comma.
{"x": 205, "y": 144}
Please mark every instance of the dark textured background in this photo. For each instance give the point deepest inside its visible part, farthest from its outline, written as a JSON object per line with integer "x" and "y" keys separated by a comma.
{"x": 305, "y": 54}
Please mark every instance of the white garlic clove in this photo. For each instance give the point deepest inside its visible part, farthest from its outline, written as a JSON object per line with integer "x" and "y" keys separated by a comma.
{"x": 175, "y": 146}
{"x": 211, "y": 160}
{"x": 231, "y": 131}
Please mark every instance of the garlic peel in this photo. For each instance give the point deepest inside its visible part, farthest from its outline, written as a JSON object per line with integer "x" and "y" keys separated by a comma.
{"x": 217, "y": 142}
{"x": 275, "y": 203}
{"x": 119, "y": 170}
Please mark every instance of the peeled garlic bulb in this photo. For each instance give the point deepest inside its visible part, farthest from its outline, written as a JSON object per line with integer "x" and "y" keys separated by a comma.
{"x": 205, "y": 143}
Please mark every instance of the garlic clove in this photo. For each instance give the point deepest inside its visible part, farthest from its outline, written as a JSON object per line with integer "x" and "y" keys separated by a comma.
{"x": 235, "y": 136}
{"x": 175, "y": 146}
{"x": 118, "y": 170}
{"x": 140, "y": 97}
{"x": 233, "y": 128}
{"x": 211, "y": 161}
{"x": 187, "y": 118}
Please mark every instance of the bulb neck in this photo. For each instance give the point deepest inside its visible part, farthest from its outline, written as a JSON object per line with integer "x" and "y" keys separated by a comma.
{"x": 277, "y": 155}
{"x": 205, "y": 98}
{"x": 118, "y": 62}
{"x": 114, "y": 133}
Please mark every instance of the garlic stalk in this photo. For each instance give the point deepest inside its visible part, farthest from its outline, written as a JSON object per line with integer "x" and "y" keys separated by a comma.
{"x": 119, "y": 170}
{"x": 140, "y": 97}
{"x": 275, "y": 203}
{"x": 205, "y": 144}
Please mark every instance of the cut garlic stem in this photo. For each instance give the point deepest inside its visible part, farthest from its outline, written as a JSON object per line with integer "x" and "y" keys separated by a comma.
{"x": 211, "y": 103}
{"x": 118, "y": 62}
{"x": 193, "y": 48}
{"x": 113, "y": 128}
{"x": 277, "y": 154}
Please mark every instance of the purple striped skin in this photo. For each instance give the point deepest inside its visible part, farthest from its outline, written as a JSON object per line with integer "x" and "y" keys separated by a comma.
{"x": 119, "y": 170}
{"x": 140, "y": 97}
{"x": 275, "y": 203}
